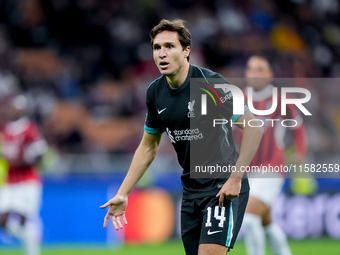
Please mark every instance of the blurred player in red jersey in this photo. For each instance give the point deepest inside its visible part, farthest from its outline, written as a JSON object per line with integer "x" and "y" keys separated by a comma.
{"x": 20, "y": 200}
{"x": 264, "y": 191}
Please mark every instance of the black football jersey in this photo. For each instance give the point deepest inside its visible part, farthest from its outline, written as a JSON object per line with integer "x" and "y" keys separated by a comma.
{"x": 187, "y": 115}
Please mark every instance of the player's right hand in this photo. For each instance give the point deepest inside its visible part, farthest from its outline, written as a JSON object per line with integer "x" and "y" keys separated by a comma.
{"x": 230, "y": 189}
{"x": 117, "y": 207}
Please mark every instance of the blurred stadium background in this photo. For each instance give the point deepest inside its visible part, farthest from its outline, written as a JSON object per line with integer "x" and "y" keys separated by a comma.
{"x": 85, "y": 66}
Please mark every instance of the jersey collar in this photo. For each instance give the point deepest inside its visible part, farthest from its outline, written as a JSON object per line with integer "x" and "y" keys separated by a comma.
{"x": 183, "y": 86}
{"x": 262, "y": 94}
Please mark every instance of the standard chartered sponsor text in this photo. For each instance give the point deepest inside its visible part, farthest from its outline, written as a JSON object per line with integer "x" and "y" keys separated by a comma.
{"x": 187, "y": 134}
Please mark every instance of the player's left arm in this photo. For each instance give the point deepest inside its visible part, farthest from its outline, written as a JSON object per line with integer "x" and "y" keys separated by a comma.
{"x": 250, "y": 142}
{"x": 299, "y": 135}
{"x": 300, "y": 143}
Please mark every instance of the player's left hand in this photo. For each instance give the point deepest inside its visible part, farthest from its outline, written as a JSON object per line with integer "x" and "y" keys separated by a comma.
{"x": 117, "y": 207}
{"x": 229, "y": 190}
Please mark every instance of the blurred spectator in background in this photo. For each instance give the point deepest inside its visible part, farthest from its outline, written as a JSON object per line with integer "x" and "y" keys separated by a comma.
{"x": 20, "y": 199}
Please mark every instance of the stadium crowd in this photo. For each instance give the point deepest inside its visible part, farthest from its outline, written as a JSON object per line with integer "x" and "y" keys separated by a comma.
{"x": 85, "y": 65}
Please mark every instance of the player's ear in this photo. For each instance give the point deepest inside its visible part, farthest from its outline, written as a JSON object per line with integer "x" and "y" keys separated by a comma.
{"x": 187, "y": 51}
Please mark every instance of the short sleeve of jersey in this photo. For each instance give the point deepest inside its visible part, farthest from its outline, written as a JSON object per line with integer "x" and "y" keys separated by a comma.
{"x": 292, "y": 113}
{"x": 33, "y": 134}
{"x": 152, "y": 122}
{"x": 227, "y": 103}
{"x": 35, "y": 144}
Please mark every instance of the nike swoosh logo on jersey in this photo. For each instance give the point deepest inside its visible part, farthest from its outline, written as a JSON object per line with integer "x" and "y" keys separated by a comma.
{"x": 160, "y": 111}
{"x": 213, "y": 232}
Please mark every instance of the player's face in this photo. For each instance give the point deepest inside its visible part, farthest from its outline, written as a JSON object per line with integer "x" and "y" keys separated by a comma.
{"x": 168, "y": 53}
{"x": 258, "y": 73}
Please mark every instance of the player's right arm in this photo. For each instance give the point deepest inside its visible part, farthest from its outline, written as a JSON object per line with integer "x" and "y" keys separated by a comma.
{"x": 142, "y": 158}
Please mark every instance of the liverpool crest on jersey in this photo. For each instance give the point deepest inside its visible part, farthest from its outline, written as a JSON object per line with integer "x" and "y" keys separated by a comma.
{"x": 191, "y": 113}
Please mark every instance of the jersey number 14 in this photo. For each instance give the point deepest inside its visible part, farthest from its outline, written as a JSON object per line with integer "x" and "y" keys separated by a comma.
{"x": 218, "y": 216}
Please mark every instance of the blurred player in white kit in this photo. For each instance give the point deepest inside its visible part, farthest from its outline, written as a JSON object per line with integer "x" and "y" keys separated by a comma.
{"x": 263, "y": 191}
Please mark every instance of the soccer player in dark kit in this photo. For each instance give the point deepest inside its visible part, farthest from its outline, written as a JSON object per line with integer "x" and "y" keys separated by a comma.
{"x": 212, "y": 208}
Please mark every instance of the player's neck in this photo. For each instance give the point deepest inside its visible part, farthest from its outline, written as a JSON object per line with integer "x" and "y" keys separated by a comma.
{"x": 263, "y": 88}
{"x": 176, "y": 79}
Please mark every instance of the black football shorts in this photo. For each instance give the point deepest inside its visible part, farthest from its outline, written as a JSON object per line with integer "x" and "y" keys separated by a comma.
{"x": 203, "y": 221}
